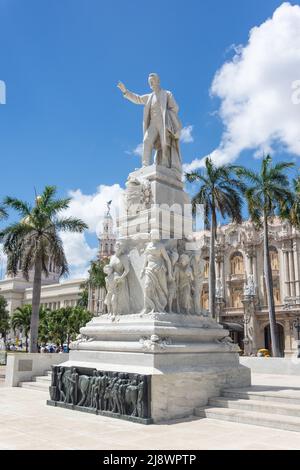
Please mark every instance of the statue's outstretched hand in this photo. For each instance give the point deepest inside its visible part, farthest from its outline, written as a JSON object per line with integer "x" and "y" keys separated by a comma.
{"x": 122, "y": 87}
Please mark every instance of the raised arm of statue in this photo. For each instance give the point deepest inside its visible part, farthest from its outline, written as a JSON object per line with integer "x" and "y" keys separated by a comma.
{"x": 133, "y": 97}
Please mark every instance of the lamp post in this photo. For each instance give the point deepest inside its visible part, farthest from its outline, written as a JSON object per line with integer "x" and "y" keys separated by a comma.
{"x": 296, "y": 325}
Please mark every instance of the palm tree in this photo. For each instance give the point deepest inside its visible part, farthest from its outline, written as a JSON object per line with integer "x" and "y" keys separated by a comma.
{"x": 95, "y": 281}
{"x": 34, "y": 241}
{"x": 219, "y": 192}
{"x": 21, "y": 321}
{"x": 4, "y": 319}
{"x": 292, "y": 211}
{"x": 267, "y": 195}
{"x": 3, "y": 213}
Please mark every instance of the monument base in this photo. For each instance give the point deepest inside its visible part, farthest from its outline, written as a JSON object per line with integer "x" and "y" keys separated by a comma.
{"x": 184, "y": 359}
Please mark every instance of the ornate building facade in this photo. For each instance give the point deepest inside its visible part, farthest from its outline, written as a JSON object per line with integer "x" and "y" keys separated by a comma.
{"x": 240, "y": 285}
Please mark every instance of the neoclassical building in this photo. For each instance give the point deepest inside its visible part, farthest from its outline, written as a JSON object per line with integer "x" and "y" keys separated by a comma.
{"x": 240, "y": 285}
{"x": 54, "y": 294}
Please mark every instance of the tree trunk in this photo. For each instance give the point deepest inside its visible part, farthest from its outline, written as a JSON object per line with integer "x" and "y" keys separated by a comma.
{"x": 212, "y": 269}
{"x": 36, "y": 299}
{"x": 269, "y": 290}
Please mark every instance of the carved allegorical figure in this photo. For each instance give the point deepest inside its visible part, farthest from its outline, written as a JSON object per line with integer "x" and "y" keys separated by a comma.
{"x": 161, "y": 124}
{"x": 172, "y": 286}
{"x": 184, "y": 283}
{"x": 156, "y": 272}
{"x": 120, "y": 266}
{"x": 197, "y": 281}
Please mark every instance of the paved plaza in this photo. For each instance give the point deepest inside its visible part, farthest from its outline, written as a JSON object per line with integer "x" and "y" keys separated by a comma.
{"x": 27, "y": 423}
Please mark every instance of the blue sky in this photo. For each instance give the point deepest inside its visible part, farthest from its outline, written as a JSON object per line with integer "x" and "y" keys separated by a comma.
{"x": 66, "y": 123}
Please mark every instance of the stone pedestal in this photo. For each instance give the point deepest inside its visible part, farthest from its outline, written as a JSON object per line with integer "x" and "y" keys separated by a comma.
{"x": 188, "y": 358}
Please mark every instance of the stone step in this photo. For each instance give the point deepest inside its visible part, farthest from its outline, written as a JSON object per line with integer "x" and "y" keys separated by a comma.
{"x": 259, "y": 392}
{"x": 40, "y": 386}
{"x": 42, "y": 378}
{"x": 288, "y": 423}
{"x": 263, "y": 406}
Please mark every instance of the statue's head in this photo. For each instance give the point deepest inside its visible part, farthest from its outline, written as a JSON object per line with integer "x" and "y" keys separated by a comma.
{"x": 184, "y": 259}
{"x": 153, "y": 80}
{"x": 120, "y": 248}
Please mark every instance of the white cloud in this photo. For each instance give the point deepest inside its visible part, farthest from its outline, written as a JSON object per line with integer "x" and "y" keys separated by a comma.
{"x": 186, "y": 135}
{"x": 91, "y": 208}
{"x": 138, "y": 151}
{"x": 255, "y": 89}
{"x": 77, "y": 251}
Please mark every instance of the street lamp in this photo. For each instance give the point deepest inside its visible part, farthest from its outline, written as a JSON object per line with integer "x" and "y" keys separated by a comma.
{"x": 296, "y": 325}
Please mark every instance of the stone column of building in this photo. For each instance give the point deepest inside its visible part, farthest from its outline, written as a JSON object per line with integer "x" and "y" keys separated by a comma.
{"x": 292, "y": 273}
{"x": 296, "y": 266}
{"x": 220, "y": 281}
{"x": 288, "y": 338}
{"x": 286, "y": 272}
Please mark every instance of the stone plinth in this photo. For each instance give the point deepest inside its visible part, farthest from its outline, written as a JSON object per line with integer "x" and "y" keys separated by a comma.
{"x": 155, "y": 200}
{"x": 188, "y": 357}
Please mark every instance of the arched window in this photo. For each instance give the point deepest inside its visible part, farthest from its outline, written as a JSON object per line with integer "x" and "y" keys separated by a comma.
{"x": 237, "y": 264}
{"x": 274, "y": 258}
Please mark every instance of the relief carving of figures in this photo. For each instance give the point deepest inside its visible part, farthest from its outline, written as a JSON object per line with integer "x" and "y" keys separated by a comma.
{"x": 117, "y": 392}
{"x": 184, "y": 284}
{"x": 133, "y": 195}
{"x": 73, "y": 385}
{"x": 146, "y": 196}
{"x": 156, "y": 272}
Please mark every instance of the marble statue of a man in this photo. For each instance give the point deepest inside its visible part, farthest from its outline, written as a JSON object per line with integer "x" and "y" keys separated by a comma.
{"x": 161, "y": 124}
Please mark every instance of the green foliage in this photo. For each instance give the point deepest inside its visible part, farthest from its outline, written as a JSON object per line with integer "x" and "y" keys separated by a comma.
{"x": 96, "y": 274}
{"x": 84, "y": 296}
{"x": 268, "y": 191}
{"x": 291, "y": 209}
{"x": 219, "y": 191}
{"x": 95, "y": 280}
{"x": 4, "y": 318}
{"x": 3, "y": 213}
{"x": 62, "y": 325}
{"x": 21, "y": 321}
{"x": 33, "y": 243}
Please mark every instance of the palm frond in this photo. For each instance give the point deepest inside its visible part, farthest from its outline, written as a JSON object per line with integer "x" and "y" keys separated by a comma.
{"x": 70, "y": 224}
{"x": 23, "y": 208}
